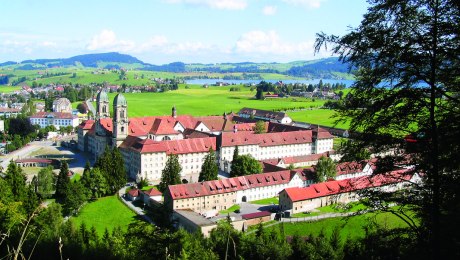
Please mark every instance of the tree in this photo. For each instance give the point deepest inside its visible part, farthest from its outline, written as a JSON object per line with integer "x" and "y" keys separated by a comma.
{"x": 406, "y": 55}
{"x": 260, "y": 93}
{"x": 325, "y": 169}
{"x": 75, "y": 197}
{"x": 63, "y": 180}
{"x": 118, "y": 172}
{"x": 16, "y": 180}
{"x": 96, "y": 184}
{"x": 171, "y": 173}
{"x": 82, "y": 108}
{"x": 244, "y": 165}
{"x": 45, "y": 182}
{"x": 209, "y": 169}
{"x": 259, "y": 128}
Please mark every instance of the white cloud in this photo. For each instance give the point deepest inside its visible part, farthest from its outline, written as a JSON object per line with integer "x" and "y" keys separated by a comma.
{"x": 49, "y": 44}
{"x": 269, "y": 10}
{"x": 267, "y": 42}
{"x": 305, "y": 3}
{"x": 215, "y": 4}
{"x": 107, "y": 40}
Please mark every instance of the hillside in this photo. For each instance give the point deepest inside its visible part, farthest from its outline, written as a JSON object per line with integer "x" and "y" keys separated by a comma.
{"x": 329, "y": 68}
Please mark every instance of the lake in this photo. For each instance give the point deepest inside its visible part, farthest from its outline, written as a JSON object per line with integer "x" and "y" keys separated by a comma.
{"x": 239, "y": 82}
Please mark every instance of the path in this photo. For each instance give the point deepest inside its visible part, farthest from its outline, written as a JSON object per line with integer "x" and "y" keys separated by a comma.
{"x": 130, "y": 205}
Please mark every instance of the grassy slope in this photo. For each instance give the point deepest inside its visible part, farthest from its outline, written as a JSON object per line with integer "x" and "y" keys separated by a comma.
{"x": 107, "y": 212}
{"x": 349, "y": 227}
{"x": 7, "y": 89}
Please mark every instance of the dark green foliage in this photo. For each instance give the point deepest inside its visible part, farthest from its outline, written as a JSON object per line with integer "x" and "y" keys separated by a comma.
{"x": 245, "y": 165}
{"x": 407, "y": 58}
{"x": 63, "y": 180}
{"x": 171, "y": 173}
{"x": 209, "y": 169}
{"x": 75, "y": 196}
{"x": 16, "y": 180}
{"x": 95, "y": 183}
{"x": 325, "y": 169}
{"x": 45, "y": 182}
{"x": 112, "y": 167}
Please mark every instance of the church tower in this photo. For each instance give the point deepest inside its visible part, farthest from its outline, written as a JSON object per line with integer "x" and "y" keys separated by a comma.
{"x": 102, "y": 105}
{"x": 120, "y": 120}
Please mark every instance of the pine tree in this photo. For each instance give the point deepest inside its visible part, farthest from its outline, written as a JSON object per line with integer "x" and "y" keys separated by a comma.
{"x": 171, "y": 173}
{"x": 62, "y": 180}
{"x": 209, "y": 169}
{"x": 16, "y": 179}
{"x": 118, "y": 170}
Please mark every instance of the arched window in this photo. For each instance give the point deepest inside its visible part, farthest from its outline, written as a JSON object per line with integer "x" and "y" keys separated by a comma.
{"x": 122, "y": 129}
{"x": 122, "y": 114}
{"x": 166, "y": 138}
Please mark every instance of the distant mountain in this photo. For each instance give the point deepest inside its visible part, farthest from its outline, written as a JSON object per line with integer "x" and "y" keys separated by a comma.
{"x": 88, "y": 60}
{"x": 322, "y": 68}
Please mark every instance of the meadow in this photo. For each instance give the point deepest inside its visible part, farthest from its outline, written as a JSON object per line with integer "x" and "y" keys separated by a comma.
{"x": 7, "y": 89}
{"x": 198, "y": 101}
{"x": 107, "y": 212}
{"x": 350, "y": 227}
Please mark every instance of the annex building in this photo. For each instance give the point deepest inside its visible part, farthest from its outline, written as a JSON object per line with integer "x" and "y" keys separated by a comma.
{"x": 145, "y": 142}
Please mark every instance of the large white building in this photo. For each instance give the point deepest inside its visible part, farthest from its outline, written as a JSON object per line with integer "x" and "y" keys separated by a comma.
{"x": 62, "y": 105}
{"x": 145, "y": 142}
{"x": 57, "y": 119}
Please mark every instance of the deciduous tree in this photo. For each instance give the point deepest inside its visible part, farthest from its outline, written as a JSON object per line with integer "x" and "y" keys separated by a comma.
{"x": 325, "y": 169}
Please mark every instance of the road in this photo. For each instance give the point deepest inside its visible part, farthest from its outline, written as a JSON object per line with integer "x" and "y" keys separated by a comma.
{"x": 130, "y": 205}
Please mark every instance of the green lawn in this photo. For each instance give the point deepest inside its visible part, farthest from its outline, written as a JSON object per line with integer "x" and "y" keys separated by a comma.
{"x": 351, "y": 207}
{"x": 199, "y": 101}
{"x": 7, "y": 89}
{"x": 229, "y": 210}
{"x": 107, "y": 212}
{"x": 268, "y": 201}
{"x": 349, "y": 227}
{"x": 317, "y": 116}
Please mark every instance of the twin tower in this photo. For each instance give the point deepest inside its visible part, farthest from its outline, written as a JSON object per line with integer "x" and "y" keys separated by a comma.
{"x": 120, "y": 117}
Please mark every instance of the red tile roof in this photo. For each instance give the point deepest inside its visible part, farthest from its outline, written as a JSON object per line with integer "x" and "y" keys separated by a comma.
{"x": 152, "y": 192}
{"x": 322, "y": 133}
{"x": 195, "y": 145}
{"x": 259, "y": 214}
{"x": 58, "y": 115}
{"x": 134, "y": 192}
{"x": 335, "y": 187}
{"x": 267, "y": 139}
{"x": 86, "y": 125}
{"x": 191, "y": 190}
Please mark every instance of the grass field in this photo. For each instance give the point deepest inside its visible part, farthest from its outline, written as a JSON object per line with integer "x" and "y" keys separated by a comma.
{"x": 107, "y": 212}
{"x": 7, "y": 89}
{"x": 354, "y": 207}
{"x": 199, "y": 101}
{"x": 352, "y": 227}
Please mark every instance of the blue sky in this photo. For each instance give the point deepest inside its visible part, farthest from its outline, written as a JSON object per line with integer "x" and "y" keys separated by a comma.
{"x": 163, "y": 31}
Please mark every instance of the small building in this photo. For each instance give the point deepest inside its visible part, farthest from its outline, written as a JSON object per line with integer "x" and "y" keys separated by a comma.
{"x": 279, "y": 117}
{"x": 34, "y": 162}
{"x": 9, "y": 112}
{"x": 257, "y": 217}
{"x": 134, "y": 194}
{"x": 151, "y": 194}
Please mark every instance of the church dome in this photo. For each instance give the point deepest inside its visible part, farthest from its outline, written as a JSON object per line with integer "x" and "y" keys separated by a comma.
{"x": 102, "y": 96}
{"x": 120, "y": 100}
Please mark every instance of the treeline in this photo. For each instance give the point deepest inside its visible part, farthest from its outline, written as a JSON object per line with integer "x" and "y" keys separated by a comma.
{"x": 4, "y": 79}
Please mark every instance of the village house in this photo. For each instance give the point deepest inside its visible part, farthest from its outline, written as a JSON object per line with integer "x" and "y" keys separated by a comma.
{"x": 279, "y": 117}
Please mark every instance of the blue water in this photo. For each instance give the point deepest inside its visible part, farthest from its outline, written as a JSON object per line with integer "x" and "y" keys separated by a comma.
{"x": 238, "y": 82}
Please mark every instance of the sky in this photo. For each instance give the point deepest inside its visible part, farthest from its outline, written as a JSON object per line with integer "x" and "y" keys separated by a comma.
{"x": 164, "y": 31}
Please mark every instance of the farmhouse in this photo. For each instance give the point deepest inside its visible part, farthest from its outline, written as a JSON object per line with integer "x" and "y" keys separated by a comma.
{"x": 297, "y": 199}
